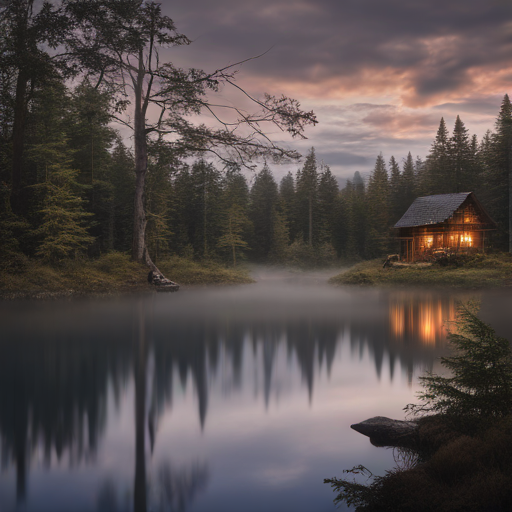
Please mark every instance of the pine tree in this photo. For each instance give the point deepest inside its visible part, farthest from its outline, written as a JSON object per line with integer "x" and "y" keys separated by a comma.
{"x": 328, "y": 192}
{"x": 287, "y": 203}
{"x": 437, "y": 172}
{"x": 499, "y": 176}
{"x": 461, "y": 159}
{"x": 480, "y": 383}
{"x": 307, "y": 199}
{"x": 91, "y": 139}
{"x": 395, "y": 182}
{"x": 62, "y": 231}
{"x": 207, "y": 209}
{"x": 279, "y": 250}
{"x": 231, "y": 237}
{"x": 264, "y": 201}
{"x": 408, "y": 184}
{"x": 377, "y": 233}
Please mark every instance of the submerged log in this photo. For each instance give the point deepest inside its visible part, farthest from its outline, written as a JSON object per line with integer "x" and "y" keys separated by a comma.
{"x": 384, "y": 431}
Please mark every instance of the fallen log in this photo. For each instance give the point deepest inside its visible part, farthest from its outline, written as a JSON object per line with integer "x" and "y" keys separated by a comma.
{"x": 384, "y": 431}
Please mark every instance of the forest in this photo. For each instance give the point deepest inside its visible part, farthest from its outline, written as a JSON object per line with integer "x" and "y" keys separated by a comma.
{"x": 70, "y": 184}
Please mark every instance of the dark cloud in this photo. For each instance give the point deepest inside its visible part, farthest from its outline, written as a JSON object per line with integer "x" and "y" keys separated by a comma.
{"x": 402, "y": 63}
{"x": 431, "y": 47}
{"x": 486, "y": 106}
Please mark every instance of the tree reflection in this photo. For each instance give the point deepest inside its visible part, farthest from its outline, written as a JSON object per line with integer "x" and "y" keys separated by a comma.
{"x": 55, "y": 376}
{"x": 53, "y": 393}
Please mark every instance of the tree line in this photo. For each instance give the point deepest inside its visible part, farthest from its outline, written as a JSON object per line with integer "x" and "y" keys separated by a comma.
{"x": 69, "y": 184}
{"x": 57, "y": 154}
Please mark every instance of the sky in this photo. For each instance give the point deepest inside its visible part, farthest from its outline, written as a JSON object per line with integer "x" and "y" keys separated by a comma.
{"x": 379, "y": 74}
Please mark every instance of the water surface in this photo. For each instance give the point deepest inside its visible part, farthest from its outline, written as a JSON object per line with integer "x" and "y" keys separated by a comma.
{"x": 211, "y": 399}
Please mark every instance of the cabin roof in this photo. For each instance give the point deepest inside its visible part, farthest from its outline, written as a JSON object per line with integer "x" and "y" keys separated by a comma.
{"x": 432, "y": 209}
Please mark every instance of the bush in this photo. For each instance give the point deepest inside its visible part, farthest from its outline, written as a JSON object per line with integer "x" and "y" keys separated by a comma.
{"x": 480, "y": 385}
{"x": 459, "y": 471}
{"x": 301, "y": 254}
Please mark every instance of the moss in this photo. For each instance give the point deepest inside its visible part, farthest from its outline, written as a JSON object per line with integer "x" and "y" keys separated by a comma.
{"x": 483, "y": 271}
{"x": 111, "y": 274}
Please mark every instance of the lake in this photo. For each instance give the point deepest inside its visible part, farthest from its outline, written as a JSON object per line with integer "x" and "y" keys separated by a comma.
{"x": 211, "y": 399}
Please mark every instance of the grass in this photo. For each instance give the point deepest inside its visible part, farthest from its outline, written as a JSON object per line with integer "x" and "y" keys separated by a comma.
{"x": 477, "y": 272}
{"x": 112, "y": 274}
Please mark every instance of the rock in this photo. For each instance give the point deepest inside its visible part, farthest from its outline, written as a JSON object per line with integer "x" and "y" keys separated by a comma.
{"x": 384, "y": 431}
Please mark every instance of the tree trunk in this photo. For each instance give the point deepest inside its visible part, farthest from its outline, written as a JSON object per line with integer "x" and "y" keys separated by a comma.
{"x": 310, "y": 221}
{"x": 141, "y": 167}
{"x": 18, "y": 136}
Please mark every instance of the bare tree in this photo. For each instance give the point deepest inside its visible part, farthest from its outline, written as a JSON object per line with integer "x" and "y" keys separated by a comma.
{"x": 120, "y": 42}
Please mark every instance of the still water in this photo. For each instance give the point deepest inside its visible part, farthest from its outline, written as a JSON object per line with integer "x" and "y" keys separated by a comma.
{"x": 219, "y": 399}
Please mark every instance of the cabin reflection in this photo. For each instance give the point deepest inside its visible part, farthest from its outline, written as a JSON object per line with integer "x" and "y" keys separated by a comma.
{"x": 422, "y": 321}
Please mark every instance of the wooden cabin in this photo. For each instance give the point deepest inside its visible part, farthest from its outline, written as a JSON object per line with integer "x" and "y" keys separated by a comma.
{"x": 443, "y": 224}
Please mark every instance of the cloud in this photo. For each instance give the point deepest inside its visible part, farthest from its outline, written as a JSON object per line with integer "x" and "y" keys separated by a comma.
{"x": 418, "y": 50}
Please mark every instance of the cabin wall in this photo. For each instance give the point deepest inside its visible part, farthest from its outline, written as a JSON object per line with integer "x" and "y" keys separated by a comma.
{"x": 427, "y": 242}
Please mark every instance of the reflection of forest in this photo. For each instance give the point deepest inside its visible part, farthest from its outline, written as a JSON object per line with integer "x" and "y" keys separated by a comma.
{"x": 55, "y": 373}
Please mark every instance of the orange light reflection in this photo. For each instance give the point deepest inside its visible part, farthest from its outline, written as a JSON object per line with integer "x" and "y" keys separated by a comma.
{"x": 423, "y": 321}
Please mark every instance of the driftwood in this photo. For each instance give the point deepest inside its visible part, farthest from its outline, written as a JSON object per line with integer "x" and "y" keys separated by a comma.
{"x": 384, "y": 431}
{"x": 161, "y": 283}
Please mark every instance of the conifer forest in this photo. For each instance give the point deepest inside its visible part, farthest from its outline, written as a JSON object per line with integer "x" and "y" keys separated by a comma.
{"x": 70, "y": 184}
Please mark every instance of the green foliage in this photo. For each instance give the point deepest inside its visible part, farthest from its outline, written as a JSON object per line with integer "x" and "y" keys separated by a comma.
{"x": 301, "y": 254}
{"x": 456, "y": 471}
{"x": 232, "y": 232}
{"x": 480, "y": 383}
{"x": 306, "y": 197}
{"x": 263, "y": 203}
{"x": 377, "y": 236}
{"x": 62, "y": 230}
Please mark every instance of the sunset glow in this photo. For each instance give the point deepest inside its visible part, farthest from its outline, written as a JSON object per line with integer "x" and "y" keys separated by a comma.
{"x": 379, "y": 75}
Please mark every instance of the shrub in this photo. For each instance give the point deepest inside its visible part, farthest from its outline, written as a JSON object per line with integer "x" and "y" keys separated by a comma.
{"x": 480, "y": 385}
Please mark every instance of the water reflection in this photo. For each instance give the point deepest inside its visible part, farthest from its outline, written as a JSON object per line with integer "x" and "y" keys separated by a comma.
{"x": 66, "y": 375}
{"x": 424, "y": 321}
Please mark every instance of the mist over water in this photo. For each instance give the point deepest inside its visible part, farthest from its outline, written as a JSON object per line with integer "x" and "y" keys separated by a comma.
{"x": 211, "y": 399}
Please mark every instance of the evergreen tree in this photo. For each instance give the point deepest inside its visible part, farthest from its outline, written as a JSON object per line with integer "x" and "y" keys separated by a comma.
{"x": 62, "y": 231}
{"x": 234, "y": 227}
{"x": 264, "y": 201}
{"x": 91, "y": 139}
{"x": 122, "y": 178}
{"x": 287, "y": 203}
{"x": 395, "y": 182}
{"x": 480, "y": 383}
{"x": 351, "y": 232}
{"x": 437, "y": 172}
{"x": 461, "y": 159}
{"x": 307, "y": 199}
{"x": 408, "y": 194}
{"x": 235, "y": 206}
{"x": 377, "y": 230}
{"x": 499, "y": 175}
{"x": 206, "y": 214}
{"x": 328, "y": 192}
{"x": 279, "y": 250}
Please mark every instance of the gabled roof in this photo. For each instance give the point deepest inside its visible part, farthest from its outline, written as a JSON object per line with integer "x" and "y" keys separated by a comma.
{"x": 432, "y": 209}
